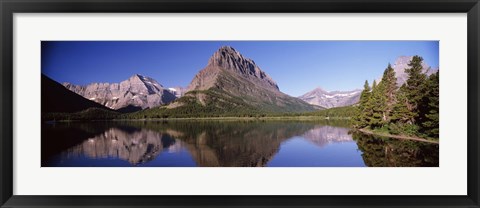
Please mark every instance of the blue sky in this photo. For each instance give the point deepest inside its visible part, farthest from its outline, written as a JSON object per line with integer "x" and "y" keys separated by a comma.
{"x": 296, "y": 66}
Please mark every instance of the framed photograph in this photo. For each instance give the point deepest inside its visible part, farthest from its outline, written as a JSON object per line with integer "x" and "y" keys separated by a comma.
{"x": 264, "y": 103}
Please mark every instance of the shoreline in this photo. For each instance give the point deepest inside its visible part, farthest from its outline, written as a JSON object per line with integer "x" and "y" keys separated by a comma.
{"x": 239, "y": 118}
{"x": 298, "y": 118}
{"x": 398, "y": 136}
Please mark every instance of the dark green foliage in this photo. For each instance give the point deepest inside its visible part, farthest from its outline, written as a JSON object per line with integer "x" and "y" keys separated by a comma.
{"x": 383, "y": 99}
{"x": 339, "y": 112}
{"x": 431, "y": 123}
{"x": 416, "y": 88}
{"x": 411, "y": 110}
{"x": 129, "y": 109}
{"x": 378, "y": 105}
{"x": 402, "y": 109}
{"x": 88, "y": 114}
{"x": 363, "y": 110}
{"x": 389, "y": 82}
{"x": 403, "y": 128}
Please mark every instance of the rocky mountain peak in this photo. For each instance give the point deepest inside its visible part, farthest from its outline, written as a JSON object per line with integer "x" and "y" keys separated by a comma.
{"x": 232, "y": 81}
{"x": 136, "y": 77}
{"x": 227, "y": 59}
{"x": 223, "y": 54}
{"x": 319, "y": 90}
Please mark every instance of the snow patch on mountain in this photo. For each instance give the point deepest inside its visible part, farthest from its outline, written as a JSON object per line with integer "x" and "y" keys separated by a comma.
{"x": 331, "y": 99}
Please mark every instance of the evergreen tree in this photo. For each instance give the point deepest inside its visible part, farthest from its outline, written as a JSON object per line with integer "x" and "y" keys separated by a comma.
{"x": 402, "y": 110}
{"x": 411, "y": 110}
{"x": 364, "y": 110}
{"x": 431, "y": 123}
{"x": 378, "y": 104}
{"x": 389, "y": 82}
{"x": 415, "y": 88}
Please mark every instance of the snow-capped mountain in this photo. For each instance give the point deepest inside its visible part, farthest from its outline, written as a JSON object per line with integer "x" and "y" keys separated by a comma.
{"x": 332, "y": 99}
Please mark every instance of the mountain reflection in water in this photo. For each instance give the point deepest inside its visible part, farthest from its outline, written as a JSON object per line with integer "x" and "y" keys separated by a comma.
{"x": 135, "y": 147}
{"x": 213, "y": 144}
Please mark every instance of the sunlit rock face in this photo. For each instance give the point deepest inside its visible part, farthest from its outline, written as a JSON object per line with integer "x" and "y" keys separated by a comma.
{"x": 324, "y": 135}
{"x": 227, "y": 59}
{"x": 138, "y": 91}
{"x": 136, "y": 147}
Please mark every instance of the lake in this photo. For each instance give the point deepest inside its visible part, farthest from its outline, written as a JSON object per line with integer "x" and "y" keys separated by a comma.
{"x": 224, "y": 143}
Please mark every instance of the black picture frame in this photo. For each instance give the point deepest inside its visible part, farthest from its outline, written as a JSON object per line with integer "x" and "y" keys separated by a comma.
{"x": 9, "y": 7}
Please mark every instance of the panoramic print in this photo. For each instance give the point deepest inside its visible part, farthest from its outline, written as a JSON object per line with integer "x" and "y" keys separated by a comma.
{"x": 240, "y": 104}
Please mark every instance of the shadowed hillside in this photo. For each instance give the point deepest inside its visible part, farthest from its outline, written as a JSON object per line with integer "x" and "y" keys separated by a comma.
{"x": 57, "y": 98}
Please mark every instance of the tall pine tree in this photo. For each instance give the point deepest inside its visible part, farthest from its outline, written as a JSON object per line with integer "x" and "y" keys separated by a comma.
{"x": 364, "y": 110}
{"x": 415, "y": 88}
{"x": 431, "y": 124}
{"x": 389, "y": 83}
{"x": 378, "y": 103}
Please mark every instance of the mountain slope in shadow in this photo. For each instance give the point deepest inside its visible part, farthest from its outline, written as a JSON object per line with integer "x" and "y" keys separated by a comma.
{"x": 56, "y": 98}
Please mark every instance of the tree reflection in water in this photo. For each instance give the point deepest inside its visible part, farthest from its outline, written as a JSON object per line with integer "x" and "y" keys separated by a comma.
{"x": 386, "y": 152}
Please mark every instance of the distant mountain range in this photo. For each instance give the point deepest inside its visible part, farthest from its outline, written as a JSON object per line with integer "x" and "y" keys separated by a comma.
{"x": 229, "y": 82}
{"x": 136, "y": 93}
{"x": 325, "y": 99}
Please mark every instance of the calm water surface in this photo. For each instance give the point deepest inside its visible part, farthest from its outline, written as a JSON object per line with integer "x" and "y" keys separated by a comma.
{"x": 225, "y": 144}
